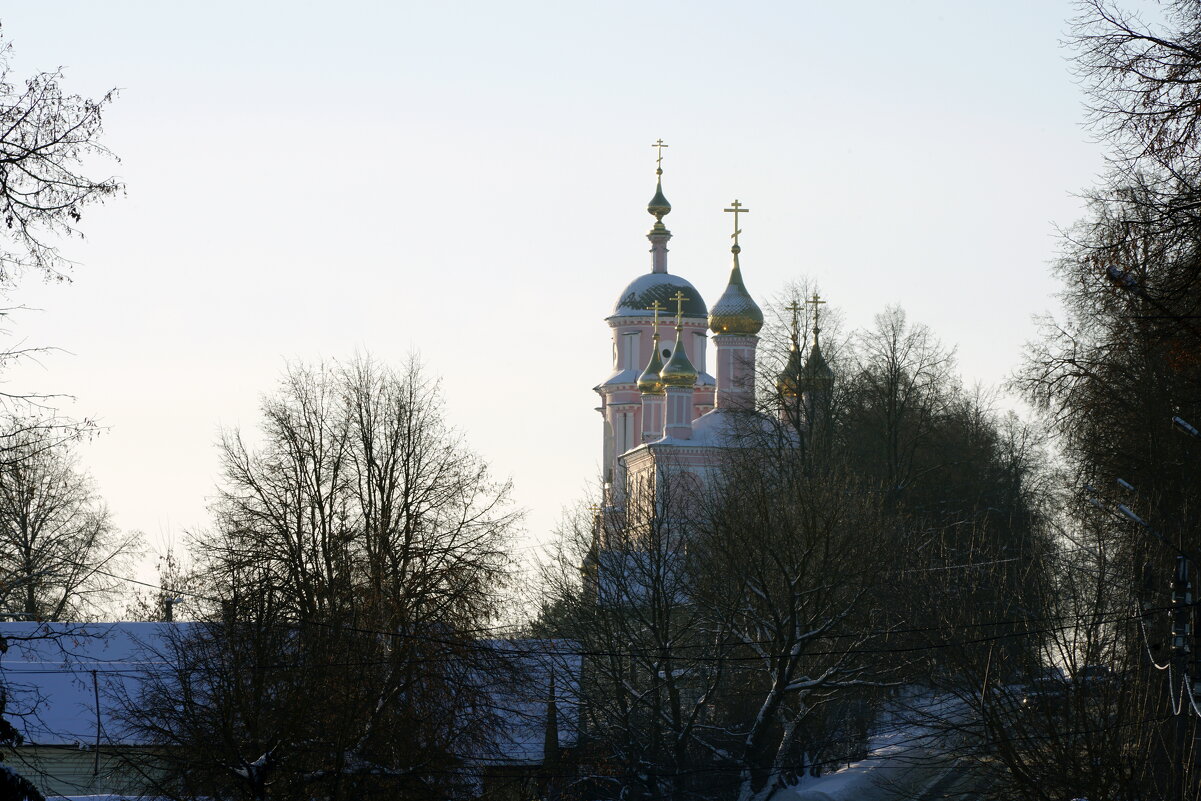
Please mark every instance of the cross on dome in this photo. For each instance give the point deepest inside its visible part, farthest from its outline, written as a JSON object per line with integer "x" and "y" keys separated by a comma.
{"x": 657, "y": 307}
{"x": 795, "y": 308}
{"x": 659, "y": 145}
{"x": 738, "y": 209}
{"x": 816, "y": 302}
{"x": 680, "y": 299}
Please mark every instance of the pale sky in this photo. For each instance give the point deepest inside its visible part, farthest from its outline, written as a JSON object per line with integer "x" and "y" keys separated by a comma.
{"x": 468, "y": 181}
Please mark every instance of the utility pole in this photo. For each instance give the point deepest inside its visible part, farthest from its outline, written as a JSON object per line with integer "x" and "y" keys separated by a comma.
{"x": 1193, "y": 681}
{"x": 1185, "y": 671}
{"x": 1182, "y": 669}
{"x": 96, "y": 748}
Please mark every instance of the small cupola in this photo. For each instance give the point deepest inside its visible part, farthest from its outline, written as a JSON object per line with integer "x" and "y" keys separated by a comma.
{"x": 736, "y": 311}
{"x": 678, "y": 372}
{"x": 650, "y": 383}
{"x": 789, "y": 382}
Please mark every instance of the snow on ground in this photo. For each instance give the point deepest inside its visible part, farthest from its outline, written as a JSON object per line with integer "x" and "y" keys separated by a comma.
{"x": 904, "y": 759}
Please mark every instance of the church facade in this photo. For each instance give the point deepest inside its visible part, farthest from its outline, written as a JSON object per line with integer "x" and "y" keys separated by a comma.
{"x": 665, "y": 416}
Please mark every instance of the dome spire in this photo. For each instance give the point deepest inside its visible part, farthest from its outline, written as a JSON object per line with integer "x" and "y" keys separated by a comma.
{"x": 678, "y": 372}
{"x": 650, "y": 382}
{"x": 659, "y": 208}
{"x": 816, "y": 302}
{"x": 736, "y": 311}
{"x": 818, "y": 375}
{"x": 789, "y": 381}
{"x": 679, "y": 379}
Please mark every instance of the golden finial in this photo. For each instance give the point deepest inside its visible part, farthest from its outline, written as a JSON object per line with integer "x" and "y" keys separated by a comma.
{"x": 738, "y": 209}
{"x": 659, "y": 207}
{"x": 816, "y": 302}
{"x": 680, "y": 300}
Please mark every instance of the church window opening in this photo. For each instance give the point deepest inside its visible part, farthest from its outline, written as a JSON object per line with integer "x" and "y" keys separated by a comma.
{"x": 629, "y": 343}
{"x": 624, "y": 430}
{"x": 610, "y": 445}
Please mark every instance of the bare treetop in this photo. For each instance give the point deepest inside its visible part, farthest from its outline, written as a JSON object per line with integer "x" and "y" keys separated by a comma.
{"x": 46, "y": 136}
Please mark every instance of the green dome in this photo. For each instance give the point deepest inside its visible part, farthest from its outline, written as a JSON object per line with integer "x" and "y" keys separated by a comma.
{"x": 659, "y": 205}
{"x": 637, "y": 298}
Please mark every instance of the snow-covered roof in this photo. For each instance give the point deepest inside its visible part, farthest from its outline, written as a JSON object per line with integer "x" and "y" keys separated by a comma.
{"x": 620, "y": 378}
{"x": 722, "y": 428}
{"x": 523, "y": 701}
{"x": 623, "y": 377}
{"x": 54, "y": 673}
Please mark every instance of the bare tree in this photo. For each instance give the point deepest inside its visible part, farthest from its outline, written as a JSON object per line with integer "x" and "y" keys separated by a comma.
{"x": 172, "y": 591}
{"x": 720, "y": 624}
{"x": 59, "y": 552}
{"x": 902, "y": 382}
{"x": 46, "y": 139}
{"x": 623, "y": 587}
{"x": 787, "y": 560}
{"x": 357, "y": 558}
{"x": 55, "y": 540}
{"x": 1077, "y": 712}
{"x": 964, "y": 499}
{"x": 1141, "y": 76}
{"x": 1111, "y": 376}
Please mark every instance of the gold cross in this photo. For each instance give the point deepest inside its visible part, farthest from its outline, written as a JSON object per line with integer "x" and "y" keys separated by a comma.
{"x": 738, "y": 209}
{"x": 656, "y": 307}
{"x": 659, "y": 145}
{"x": 679, "y": 299}
{"x": 795, "y": 308}
{"x": 816, "y": 302}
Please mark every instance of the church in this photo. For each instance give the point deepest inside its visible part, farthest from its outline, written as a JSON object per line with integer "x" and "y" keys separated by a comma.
{"x": 664, "y": 413}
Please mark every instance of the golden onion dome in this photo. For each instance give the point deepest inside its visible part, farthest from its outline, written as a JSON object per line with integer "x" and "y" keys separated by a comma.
{"x": 791, "y": 379}
{"x": 649, "y": 382}
{"x": 678, "y": 372}
{"x": 736, "y": 311}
